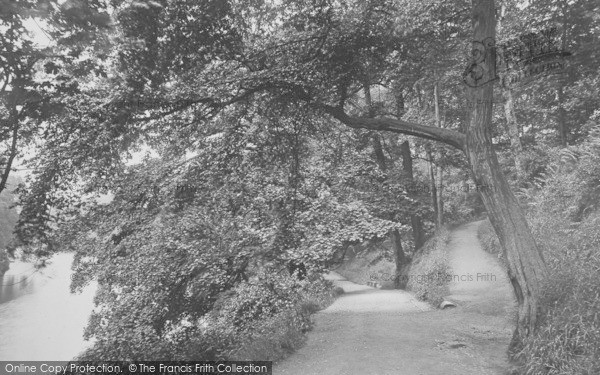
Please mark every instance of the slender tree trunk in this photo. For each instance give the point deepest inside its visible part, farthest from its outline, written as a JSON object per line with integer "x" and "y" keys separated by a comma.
{"x": 432, "y": 185}
{"x": 439, "y": 167}
{"x": 439, "y": 195}
{"x": 415, "y": 220}
{"x": 407, "y": 162}
{"x": 378, "y": 150}
{"x": 401, "y": 260}
{"x": 527, "y": 269}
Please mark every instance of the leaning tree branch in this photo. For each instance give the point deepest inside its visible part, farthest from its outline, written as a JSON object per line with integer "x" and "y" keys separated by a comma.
{"x": 447, "y": 136}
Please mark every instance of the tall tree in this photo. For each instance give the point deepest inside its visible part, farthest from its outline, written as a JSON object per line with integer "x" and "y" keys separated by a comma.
{"x": 439, "y": 167}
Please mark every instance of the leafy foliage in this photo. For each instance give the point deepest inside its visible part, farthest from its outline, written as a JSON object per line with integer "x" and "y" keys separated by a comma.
{"x": 564, "y": 217}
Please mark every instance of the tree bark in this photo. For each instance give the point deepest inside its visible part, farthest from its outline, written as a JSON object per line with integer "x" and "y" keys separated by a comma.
{"x": 513, "y": 129}
{"x": 439, "y": 195}
{"x": 407, "y": 162}
{"x": 401, "y": 260}
{"x": 378, "y": 150}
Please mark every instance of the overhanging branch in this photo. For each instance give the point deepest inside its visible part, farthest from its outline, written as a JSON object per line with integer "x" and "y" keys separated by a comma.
{"x": 447, "y": 136}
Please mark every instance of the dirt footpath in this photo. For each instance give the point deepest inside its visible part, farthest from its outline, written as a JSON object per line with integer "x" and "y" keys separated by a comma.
{"x": 372, "y": 331}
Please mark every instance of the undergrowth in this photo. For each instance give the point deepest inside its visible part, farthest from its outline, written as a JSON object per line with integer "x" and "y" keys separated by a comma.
{"x": 565, "y": 220}
{"x": 276, "y": 337}
{"x": 427, "y": 277}
{"x": 263, "y": 319}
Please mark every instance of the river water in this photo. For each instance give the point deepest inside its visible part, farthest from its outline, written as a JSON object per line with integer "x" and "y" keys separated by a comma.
{"x": 39, "y": 318}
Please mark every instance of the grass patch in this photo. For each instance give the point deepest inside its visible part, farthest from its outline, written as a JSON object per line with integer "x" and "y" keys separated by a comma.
{"x": 427, "y": 275}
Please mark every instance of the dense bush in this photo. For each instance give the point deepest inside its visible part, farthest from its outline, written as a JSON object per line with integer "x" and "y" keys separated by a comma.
{"x": 565, "y": 219}
{"x": 280, "y": 334}
{"x": 427, "y": 277}
{"x": 270, "y": 316}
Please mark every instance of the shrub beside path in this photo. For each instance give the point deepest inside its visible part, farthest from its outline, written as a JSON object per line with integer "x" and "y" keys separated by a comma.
{"x": 372, "y": 331}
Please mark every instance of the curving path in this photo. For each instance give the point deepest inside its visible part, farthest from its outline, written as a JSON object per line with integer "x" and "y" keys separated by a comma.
{"x": 372, "y": 331}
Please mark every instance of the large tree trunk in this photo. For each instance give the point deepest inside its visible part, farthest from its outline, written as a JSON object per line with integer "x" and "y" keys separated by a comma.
{"x": 526, "y": 265}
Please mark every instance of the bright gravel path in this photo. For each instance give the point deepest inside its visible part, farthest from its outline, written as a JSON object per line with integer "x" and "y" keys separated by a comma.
{"x": 372, "y": 331}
